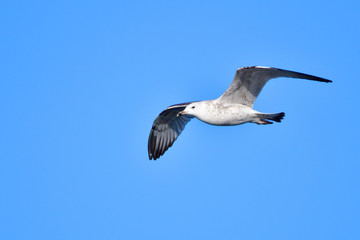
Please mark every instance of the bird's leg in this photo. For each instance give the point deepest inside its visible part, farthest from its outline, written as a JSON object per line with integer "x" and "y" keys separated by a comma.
{"x": 263, "y": 122}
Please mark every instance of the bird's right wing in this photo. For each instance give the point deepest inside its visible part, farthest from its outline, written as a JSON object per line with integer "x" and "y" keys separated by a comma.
{"x": 165, "y": 130}
{"x": 249, "y": 81}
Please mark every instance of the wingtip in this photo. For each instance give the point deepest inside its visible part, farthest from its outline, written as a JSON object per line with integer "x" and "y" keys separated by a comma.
{"x": 324, "y": 80}
{"x": 153, "y": 155}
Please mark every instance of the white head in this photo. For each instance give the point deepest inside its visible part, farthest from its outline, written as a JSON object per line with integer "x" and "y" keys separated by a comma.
{"x": 195, "y": 109}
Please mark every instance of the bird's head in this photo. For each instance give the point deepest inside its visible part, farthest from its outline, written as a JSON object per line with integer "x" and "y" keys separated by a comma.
{"x": 193, "y": 109}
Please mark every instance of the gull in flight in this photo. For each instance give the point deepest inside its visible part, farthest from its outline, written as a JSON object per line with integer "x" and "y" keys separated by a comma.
{"x": 233, "y": 107}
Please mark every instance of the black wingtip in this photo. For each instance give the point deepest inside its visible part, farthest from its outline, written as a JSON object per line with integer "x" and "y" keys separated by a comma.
{"x": 319, "y": 79}
{"x": 152, "y": 157}
{"x": 325, "y": 80}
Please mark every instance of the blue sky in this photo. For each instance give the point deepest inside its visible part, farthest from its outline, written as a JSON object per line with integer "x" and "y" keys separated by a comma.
{"x": 82, "y": 82}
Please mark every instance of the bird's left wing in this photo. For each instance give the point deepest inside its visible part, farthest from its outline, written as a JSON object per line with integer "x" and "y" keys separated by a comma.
{"x": 165, "y": 130}
{"x": 249, "y": 81}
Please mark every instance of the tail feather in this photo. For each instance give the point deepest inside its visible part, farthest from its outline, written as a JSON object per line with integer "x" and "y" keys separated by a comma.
{"x": 276, "y": 117}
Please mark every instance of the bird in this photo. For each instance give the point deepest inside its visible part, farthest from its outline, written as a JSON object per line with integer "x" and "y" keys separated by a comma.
{"x": 233, "y": 107}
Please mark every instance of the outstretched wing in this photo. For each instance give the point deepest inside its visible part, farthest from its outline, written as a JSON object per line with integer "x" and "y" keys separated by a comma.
{"x": 165, "y": 130}
{"x": 249, "y": 81}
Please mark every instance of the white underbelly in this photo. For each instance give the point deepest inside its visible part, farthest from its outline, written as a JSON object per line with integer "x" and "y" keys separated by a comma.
{"x": 230, "y": 116}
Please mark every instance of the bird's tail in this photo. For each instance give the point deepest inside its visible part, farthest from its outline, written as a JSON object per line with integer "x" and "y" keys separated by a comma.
{"x": 276, "y": 117}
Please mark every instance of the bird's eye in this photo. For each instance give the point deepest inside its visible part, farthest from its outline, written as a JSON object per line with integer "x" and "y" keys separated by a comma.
{"x": 193, "y": 107}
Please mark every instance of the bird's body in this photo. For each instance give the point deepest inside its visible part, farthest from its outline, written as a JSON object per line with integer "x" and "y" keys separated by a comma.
{"x": 215, "y": 113}
{"x": 233, "y": 107}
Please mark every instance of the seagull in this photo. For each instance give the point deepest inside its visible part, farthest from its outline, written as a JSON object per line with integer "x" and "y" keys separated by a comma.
{"x": 233, "y": 107}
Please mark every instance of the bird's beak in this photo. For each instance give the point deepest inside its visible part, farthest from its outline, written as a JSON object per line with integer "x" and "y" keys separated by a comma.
{"x": 181, "y": 113}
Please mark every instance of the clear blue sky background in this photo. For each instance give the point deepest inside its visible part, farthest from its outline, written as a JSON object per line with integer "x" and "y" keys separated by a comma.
{"x": 82, "y": 82}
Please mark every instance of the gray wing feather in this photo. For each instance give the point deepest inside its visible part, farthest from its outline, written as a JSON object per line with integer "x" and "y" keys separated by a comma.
{"x": 249, "y": 81}
{"x": 166, "y": 129}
